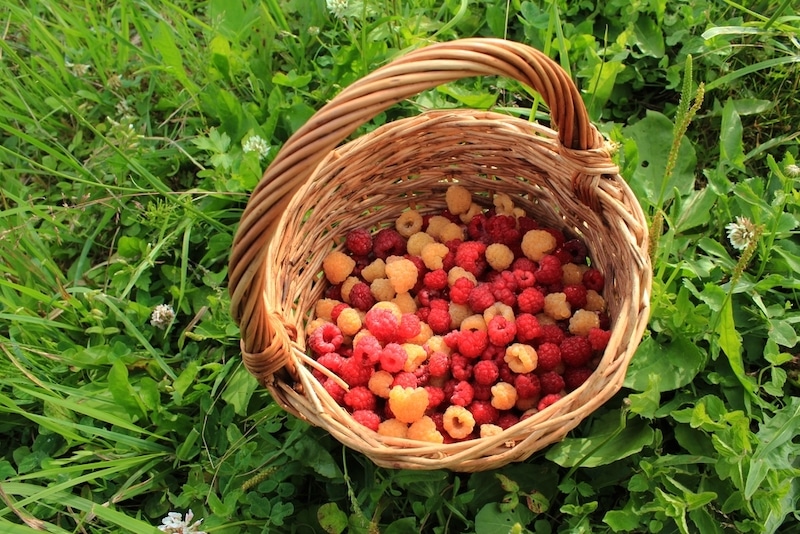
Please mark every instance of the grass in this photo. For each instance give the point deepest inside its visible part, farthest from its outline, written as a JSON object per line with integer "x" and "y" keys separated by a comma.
{"x": 124, "y": 173}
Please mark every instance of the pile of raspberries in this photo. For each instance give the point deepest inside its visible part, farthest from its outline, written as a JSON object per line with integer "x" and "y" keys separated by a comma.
{"x": 457, "y": 325}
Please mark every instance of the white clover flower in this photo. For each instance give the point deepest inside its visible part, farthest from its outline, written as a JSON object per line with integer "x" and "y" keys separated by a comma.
{"x": 337, "y": 7}
{"x": 78, "y": 69}
{"x": 175, "y": 524}
{"x": 740, "y": 233}
{"x": 256, "y": 143}
{"x": 162, "y": 315}
{"x": 792, "y": 171}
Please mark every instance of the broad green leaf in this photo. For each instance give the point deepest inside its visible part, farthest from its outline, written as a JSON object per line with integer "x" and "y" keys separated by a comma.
{"x": 775, "y": 450}
{"x": 311, "y": 453}
{"x": 676, "y": 363}
{"x": 239, "y": 390}
{"x": 292, "y": 79}
{"x": 122, "y": 391}
{"x": 649, "y": 38}
{"x": 730, "y": 341}
{"x": 472, "y": 99}
{"x": 491, "y": 520}
{"x": 406, "y": 525}
{"x": 623, "y": 520}
{"x": 332, "y": 519}
{"x": 731, "y": 151}
{"x": 694, "y": 210}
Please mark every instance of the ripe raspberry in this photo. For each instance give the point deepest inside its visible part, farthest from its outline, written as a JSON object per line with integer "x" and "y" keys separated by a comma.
{"x": 599, "y": 338}
{"x": 504, "y": 396}
{"x": 349, "y": 322}
{"x": 408, "y": 404}
{"x": 526, "y": 224}
{"x": 460, "y": 291}
{"x": 380, "y": 383}
{"x": 382, "y": 323}
{"x": 576, "y": 295}
{"x": 521, "y": 358}
{"x": 409, "y": 327}
{"x": 551, "y": 382}
{"x": 476, "y": 228}
{"x": 470, "y": 256}
{"x": 594, "y": 279}
{"x": 499, "y": 256}
{"x": 537, "y": 243}
{"x": 332, "y": 361}
{"x": 605, "y": 320}
{"x": 481, "y": 392}
{"x": 368, "y": 418}
{"x": 359, "y": 242}
{"x": 572, "y": 251}
{"x": 439, "y": 321}
{"x": 360, "y": 398}
{"x": 460, "y": 367}
{"x": 582, "y": 322}
{"x": 462, "y": 394}
{"x": 531, "y": 300}
{"x": 483, "y": 412}
{"x": 337, "y": 266}
{"x": 367, "y": 350}
{"x": 548, "y": 400}
{"x": 408, "y": 223}
{"x": 504, "y": 287}
{"x": 439, "y": 304}
{"x": 507, "y": 420}
{"x": 458, "y": 422}
{"x": 502, "y": 229}
{"x": 527, "y": 386}
{"x": 361, "y": 297}
{"x": 506, "y": 374}
{"x": 552, "y": 333}
{"x": 524, "y": 279}
{"x": 523, "y": 264}
{"x": 393, "y": 428}
{"x": 393, "y": 357}
{"x": 549, "y": 270}
{"x": 576, "y": 351}
{"x": 425, "y": 430}
{"x": 334, "y": 292}
{"x": 472, "y": 343}
{"x": 435, "y": 280}
{"x": 355, "y": 373}
{"x": 501, "y": 331}
{"x": 326, "y": 338}
{"x": 387, "y": 243}
{"x": 528, "y": 327}
{"x": 404, "y": 379}
{"x": 422, "y": 374}
{"x": 485, "y": 372}
{"x": 439, "y": 364}
{"x": 334, "y": 390}
{"x": 337, "y": 310}
{"x": 575, "y": 377}
{"x": 549, "y": 357}
{"x": 435, "y": 397}
{"x": 481, "y": 298}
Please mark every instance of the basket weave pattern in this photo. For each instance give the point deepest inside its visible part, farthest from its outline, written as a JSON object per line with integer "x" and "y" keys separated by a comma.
{"x": 314, "y": 193}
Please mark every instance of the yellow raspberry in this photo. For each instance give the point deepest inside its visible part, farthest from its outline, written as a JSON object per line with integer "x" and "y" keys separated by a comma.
{"x": 504, "y": 396}
{"x": 382, "y": 289}
{"x": 499, "y": 256}
{"x": 408, "y": 404}
{"x": 393, "y": 428}
{"x": 458, "y": 422}
{"x": 518, "y": 212}
{"x": 498, "y": 308}
{"x": 408, "y": 223}
{"x": 572, "y": 274}
{"x": 459, "y": 272}
{"x": 503, "y": 205}
{"x": 376, "y": 269}
{"x": 594, "y": 301}
{"x": 474, "y": 209}
{"x": 435, "y": 225}
{"x": 416, "y": 356}
{"x": 450, "y": 232}
{"x": 425, "y": 430}
{"x": 425, "y": 334}
{"x": 437, "y": 344}
{"x": 349, "y": 321}
{"x": 337, "y": 266}
{"x": 313, "y": 325}
{"x": 458, "y": 312}
{"x": 432, "y": 255}
{"x": 417, "y": 242}
{"x": 556, "y": 306}
{"x": 544, "y": 319}
{"x": 488, "y": 430}
{"x": 347, "y": 286}
{"x": 392, "y": 307}
{"x": 582, "y": 321}
{"x": 474, "y": 322}
{"x": 458, "y": 199}
{"x": 402, "y": 274}
{"x": 405, "y": 302}
{"x": 521, "y": 358}
{"x": 537, "y": 243}
{"x": 324, "y": 307}
{"x": 380, "y": 383}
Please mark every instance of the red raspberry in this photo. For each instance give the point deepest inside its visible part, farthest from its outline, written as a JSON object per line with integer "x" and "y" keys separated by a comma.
{"x": 451, "y": 339}
{"x": 422, "y": 270}
{"x": 576, "y": 351}
{"x": 504, "y": 287}
{"x": 325, "y": 338}
{"x": 483, "y": 412}
{"x": 382, "y": 324}
{"x": 425, "y": 296}
{"x": 574, "y": 377}
{"x": 558, "y": 234}
{"x": 439, "y": 304}
{"x": 528, "y": 327}
{"x": 527, "y": 386}
{"x": 523, "y": 264}
{"x": 506, "y": 374}
{"x": 470, "y": 257}
{"x": 448, "y": 262}
{"x": 460, "y": 367}
{"x": 481, "y": 298}
{"x": 459, "y": 293}
{"x": 361, "y": 262}
{"x": 410, "y": 327}
{"x": 572, "y": 251}
{"x": 423, "y": 375}
{"x": 594, "y": 279}
{"x": 439, "y": 321}
{"x": 360, "y": 398}
{"x": 368, "y": 418}
{"x": 439, "y": 364}
{"x": 359, "y": 242}
{"x": 576, "y": 296}
{"x": 531, "y": 300}
{"x": 472, "y": 343}
{"x": 502, "y": 229}
{"x": 405, "y": 379}
{"x": 393, "y": 358}
{"x": 549, "y": 357}
{"x": 549, "y": 271}
{"x": 605, "y": 320}
{"x": 334, "y": 292}
{"x": 435, "y": 397}
{"x": 355, "y": 373}
{"x": 485, "y": 372}
{"x": 481, "y": 392}
{"x": 501, "y": 331}
{"x": 462, "y": 394}
{"x": 337, "y": 310}
{"x": 387, "y": 243}
{"x": 334, "y": 390}
{"x": 435, "y": 280}
{"x": 552, "y": 333}
{"x": 332, "y": 361}
{"x": 551, "y": 382}
{"x": 493, "y": 352}
{"x": 524, "y": 279}
{"x": 599, "y": 338}
{"x": 526, "y": 223}
{"x": 507, "y": 420}
{"x": 447, "y": 214}
{"x": 476, "y": 229}
{"x": 361, "y": 297}
{"x": 367, "y": 350}
{"x": 548, "y": 400}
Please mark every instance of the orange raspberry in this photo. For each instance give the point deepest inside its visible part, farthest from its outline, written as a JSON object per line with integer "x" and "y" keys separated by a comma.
{"x": 489, "y": 430}
{"x": 432, "y": 255}
{"x": 380, "y": 383}
{"x": 349, "y": 321}
{"x": 450, "y": 232}
{"x": 417, "y": 242}
{"x": 382, "y": 289}
{"x": 393, "y": 428}
{"x": 572, "y": 273}
{"x": 376, "y": 269}
{"x": 458, "y": 422}
{"x": 521, "y": 358}
{"x": 408, "y": 404}
{"x": 402, "y": 275}
{"x": 594, "y": 301}
{"x": 538, "y": 243}
{"x": 499, "y": 256}
{"x": 425, "y": 430}
{"x": 458, "y": 199}
{"x": 504, "y": 396}
{"x": 416, "y": 355}
{"x": 408, "y": 223}
{"x": 337, "y": 266}
{"x": 582, "y": 322}
{"x": 435, "y": 226}
{"x": 324, "y": 307}
{"x": 556, "y": 306}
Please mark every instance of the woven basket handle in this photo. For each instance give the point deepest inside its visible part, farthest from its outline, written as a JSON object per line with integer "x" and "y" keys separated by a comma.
{"x": 265, "y": 336}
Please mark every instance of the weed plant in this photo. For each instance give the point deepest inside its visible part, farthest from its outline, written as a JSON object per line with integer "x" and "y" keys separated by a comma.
{"x": 132, "y": 134}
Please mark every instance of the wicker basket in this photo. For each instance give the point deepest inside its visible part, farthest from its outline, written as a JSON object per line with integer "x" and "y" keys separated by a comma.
{"x": 314, "y": 193}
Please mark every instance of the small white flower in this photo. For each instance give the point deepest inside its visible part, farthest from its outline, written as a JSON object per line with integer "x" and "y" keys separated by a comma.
{"x": 740, "y": 233}
{"x": 162, "y": 315}
{"x": 256, "y": 143}
{"x": 792, "y": 171}
{"x": 337, "y": 7}
{"x": 313, "y": 31}
{"x": 175, "y": 524}
{"x": 78, "y": 69}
